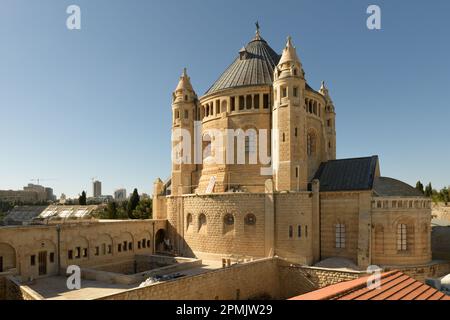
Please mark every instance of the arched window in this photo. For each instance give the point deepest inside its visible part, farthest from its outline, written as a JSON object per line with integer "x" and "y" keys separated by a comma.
{"x": 228, "y": 224}
{"x": 228, "y": 219}
{"x": 250, "y": 142}
{"x": 311, "y": 143}
{"x": 201, "y": 222}
{"x": 340, "y": 235}
{"x": 189, "y": 221}
{"x": 250, "y": 219}
{"x": 291, "y": 232}
{"x": 402, "y": 234}
{"x": 299, "y": 231}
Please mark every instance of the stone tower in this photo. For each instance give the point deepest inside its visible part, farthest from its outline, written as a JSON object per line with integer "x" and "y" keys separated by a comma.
{"x": 330, "y": 124}
{"x": 184, "y": 105}
{"x": 289, "y": 123}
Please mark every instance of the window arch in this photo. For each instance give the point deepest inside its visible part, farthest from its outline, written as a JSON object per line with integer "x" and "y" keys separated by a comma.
{"x": 189, "y": 221}
{"x": 228, "y": 224}
{"x": 250, "y": 142}
{"x": 228, "y": 219}
{"x": 250, "y": 219}
{"x": 402, "y": 234}
{"x": 202, "y": 222}
{"x": 340, "y": 235}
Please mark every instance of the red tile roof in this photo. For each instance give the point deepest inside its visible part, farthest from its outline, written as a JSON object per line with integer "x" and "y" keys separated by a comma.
{"x": 395, "y": 285}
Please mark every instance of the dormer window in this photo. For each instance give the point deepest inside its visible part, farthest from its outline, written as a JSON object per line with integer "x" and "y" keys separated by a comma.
{"x": 243, "y": 54}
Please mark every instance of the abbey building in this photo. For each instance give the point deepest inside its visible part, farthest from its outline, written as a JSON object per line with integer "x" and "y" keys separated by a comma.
{"x": 305, "y": 205}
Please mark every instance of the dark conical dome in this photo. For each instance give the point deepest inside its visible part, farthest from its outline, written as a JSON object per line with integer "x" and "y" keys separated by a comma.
{"x": 253, "y": 66}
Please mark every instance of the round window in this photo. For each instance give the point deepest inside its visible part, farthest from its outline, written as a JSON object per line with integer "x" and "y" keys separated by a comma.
{"x": 250, "y": 219}
{"x": 229, "y": 219}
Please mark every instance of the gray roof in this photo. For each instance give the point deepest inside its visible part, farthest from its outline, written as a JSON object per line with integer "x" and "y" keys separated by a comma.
{"x": 255, "y": 69}
{"x": 388, "y": 187}
{"x": 347, "y": 174}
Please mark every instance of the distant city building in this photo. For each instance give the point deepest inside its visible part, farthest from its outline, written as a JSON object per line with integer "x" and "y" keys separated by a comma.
{"x": 50, "y": 195}
{"x": 40, "y": 190}
{"x": 97, "y": 188}
{"x": 100, "y": 199}
{"x": 31, "y": 193}
{"x": 120, "y": 195}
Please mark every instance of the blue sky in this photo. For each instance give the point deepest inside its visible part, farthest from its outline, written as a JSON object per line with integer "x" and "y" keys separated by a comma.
{"x": 96, "y": 102}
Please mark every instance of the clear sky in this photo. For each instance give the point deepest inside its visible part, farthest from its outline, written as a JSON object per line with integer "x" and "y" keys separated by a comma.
{"x": 96, "y": 102}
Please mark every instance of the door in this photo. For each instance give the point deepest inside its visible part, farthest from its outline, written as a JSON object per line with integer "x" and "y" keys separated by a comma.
{"x": 42, "y": 263}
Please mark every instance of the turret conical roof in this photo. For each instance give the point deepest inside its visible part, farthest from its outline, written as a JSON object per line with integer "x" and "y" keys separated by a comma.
{"x": 289, "y": 53}
{"x": 185, "y": 82}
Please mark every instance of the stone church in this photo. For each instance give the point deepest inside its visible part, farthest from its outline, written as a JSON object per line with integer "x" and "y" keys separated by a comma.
{"x": 311, "y": 206}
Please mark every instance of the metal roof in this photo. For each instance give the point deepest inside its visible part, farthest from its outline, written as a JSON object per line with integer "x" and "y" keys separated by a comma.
{"x": 253, "y": 66}
{"x": 388, "y": 187}
{"x": 394, "y": 285}
{"x": 347, "y": 174}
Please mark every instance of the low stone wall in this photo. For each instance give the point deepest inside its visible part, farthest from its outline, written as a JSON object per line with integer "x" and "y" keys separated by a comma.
{"x": 242, "y": 281}
{"x": 422, "y": 272}
{"x": 176, "y": 264}
{"x": 298, "y": 279}
{"x": 16, "y": 291}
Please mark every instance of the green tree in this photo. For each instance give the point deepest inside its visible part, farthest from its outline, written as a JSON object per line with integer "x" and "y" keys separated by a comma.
{"x": 112, "y": 210}
{"x": 143, "y": 209}
{"x": 419, "y": 186}
{"x": 132, "y": 204}
{"x": 444, "y": 195}
{"x": 428, "y": 190}
{"x": 82, "y": 199}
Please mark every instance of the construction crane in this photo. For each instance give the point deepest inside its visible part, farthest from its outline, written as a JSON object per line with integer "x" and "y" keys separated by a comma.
{"x": 38, "y": 180}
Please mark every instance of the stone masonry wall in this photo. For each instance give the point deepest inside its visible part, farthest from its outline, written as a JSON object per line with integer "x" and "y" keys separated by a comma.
{"x": 296, "y": 280}
{"x": 245, "y": 281}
